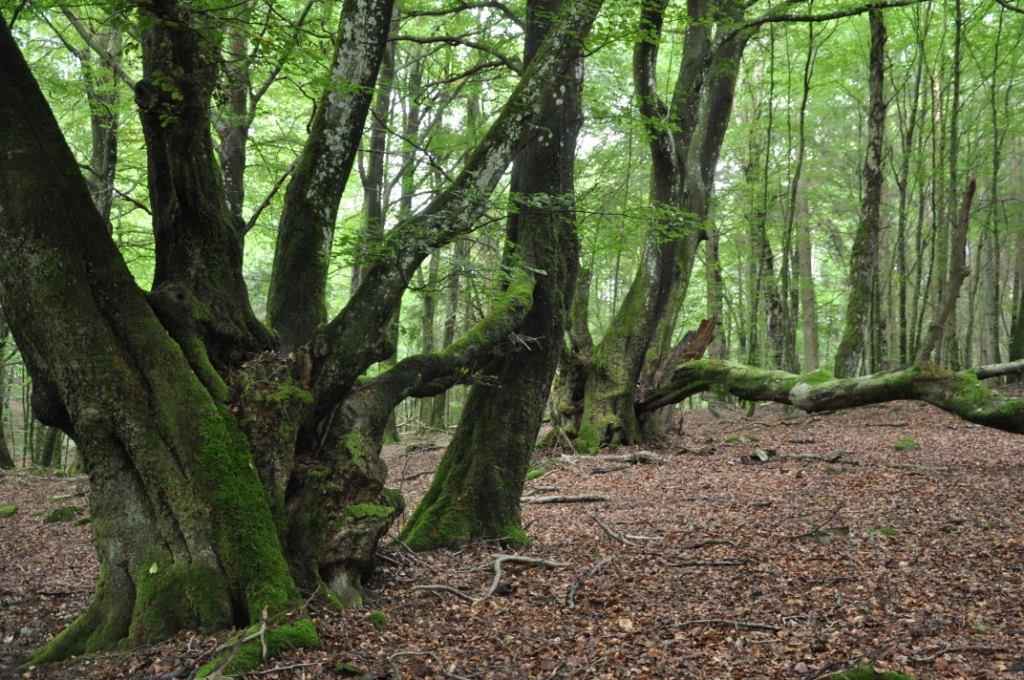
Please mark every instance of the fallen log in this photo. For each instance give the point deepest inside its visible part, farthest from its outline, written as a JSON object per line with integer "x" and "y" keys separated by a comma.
{"x": 959, "y": 393}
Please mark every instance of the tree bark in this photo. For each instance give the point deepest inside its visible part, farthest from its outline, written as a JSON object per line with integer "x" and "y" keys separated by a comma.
{"x": 297, "y": 299}
{"x": 198, "y": 239}
{"x": 475, "y": 492}
{"x": 865, "y": 245}
{"x": 6, "y": 459}
{"x": 682, "y": 177}
{"x": 182, "y": 526}
{"x": 957, "y": 273}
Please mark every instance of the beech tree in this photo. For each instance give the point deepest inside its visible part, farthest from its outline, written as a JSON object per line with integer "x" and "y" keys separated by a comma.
{"x": 206, "y": 516}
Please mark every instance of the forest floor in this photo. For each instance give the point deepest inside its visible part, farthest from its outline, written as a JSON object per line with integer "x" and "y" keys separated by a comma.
{"x": 912, "y": 560}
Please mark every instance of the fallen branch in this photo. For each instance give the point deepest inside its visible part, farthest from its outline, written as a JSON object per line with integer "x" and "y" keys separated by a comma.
{"x": 961, "y": 394}
{"x": 519, "y": 559}
{"x": 709, "y": 542}
{"x": 441, "y": 588}
{"x": 611, "y": 533}
{"x": 550, "y": 500}
{"x": 570, "y": 596}
{"x": 496, "y": 581}
{"x": 634, "y": 458}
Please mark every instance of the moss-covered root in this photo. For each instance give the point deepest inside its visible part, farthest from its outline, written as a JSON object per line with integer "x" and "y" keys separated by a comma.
{"x": 869, "y": 673}
{"x": 160, "y": 600}
{"x": 101, "y": 626}
{"x": 246, "y": 653}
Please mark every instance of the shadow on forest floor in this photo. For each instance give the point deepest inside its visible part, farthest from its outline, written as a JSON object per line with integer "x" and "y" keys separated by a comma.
{"x": 906, "y": 551}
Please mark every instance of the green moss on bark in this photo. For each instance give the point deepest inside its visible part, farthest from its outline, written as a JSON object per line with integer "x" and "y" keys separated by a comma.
{"x": 178, "y": 597}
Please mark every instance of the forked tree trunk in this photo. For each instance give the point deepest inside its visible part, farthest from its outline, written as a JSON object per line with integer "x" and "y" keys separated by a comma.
{"x": 476, "y": 489}
{"x": 181, "y": 523}
{"x": 207, "y": 516}
{"x": 682, "y": 179}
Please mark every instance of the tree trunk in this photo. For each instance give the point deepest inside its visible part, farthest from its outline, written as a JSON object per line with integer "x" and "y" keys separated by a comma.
{"x": 682, "y": 179}
{"x": 6, "y": 459}
{"x": 808, "y": 300}
{"x": 297, "y": 299}
{"x": 101, "y": 91}
{"x": 48, "y": 454}
{"x": 476, "y": 489}
{"x": 865, "y": 244}
{"x": 198, "y": 239}
{"x": 182, "y": 526}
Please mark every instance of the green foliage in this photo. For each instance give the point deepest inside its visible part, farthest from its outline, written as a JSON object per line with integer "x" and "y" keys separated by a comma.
{"x": 8, "y": 510}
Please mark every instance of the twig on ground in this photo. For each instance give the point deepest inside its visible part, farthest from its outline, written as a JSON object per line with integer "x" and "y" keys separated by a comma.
{"x": 518, "y": 559}
{"x": 633, "y": 458}
{"x": 611, "y": 533}
{"x": 816, "y": 529}
{"x": 709, "y": 563}
{"x": 496, "y": 581}
{"x": 708, "y": 542}
{"x": 956, "y": 649}
{"x": 440, "y": 587}
{"x": 570, "y": 596}
{"x": 550, "y": 500}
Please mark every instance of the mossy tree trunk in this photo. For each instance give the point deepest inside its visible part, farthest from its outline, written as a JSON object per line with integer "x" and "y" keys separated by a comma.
{"x": 476, "y": 489}
{"x": 864, "y": 252}
{"x": 684, "y": 155}
{"x": 206, "y": 515}
{"x": 181, "y": 523}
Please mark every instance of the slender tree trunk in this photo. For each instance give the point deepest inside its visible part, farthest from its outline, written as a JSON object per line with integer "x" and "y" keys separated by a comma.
{"x": 233, "y": 116}
{"x": 476, "y": 490}
{"x": 865, "y": 246}
{"x": 6, "y": 459}
{"x": 808, "y": 299}
{"x": 101, "y": 91}
{"x": 297, "y": 299}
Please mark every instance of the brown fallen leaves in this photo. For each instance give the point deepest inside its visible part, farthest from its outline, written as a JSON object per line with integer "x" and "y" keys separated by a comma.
{"x": 790, "y": 568}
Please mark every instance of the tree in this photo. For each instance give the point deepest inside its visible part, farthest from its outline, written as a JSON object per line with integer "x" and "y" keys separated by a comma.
{"x": 205, "y": 516}
{"x": 866, "y": 241}
{"x": 476, "y": 490}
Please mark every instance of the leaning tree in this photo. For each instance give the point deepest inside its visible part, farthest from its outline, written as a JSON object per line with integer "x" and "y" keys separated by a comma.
{"x": 226, "y": 476}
